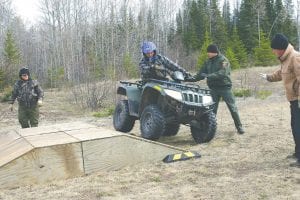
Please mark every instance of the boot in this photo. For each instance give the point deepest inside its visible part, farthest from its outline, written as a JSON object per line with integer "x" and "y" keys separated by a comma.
{"x": 240, "y": 130}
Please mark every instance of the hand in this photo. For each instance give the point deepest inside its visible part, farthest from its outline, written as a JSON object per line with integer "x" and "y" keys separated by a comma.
{"x": 264, "y": 76}
{"x": 189, "y": 78}
{"x": 159, "y": 67}
{"x": 11, "y": 107}
{"x": 39, "y": 102}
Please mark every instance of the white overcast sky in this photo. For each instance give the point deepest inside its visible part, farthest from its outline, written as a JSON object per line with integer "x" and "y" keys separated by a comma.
{"x": 29, "y": 11}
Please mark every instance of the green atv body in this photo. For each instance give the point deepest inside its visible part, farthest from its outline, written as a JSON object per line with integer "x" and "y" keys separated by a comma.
{"x": 161, "y": 106}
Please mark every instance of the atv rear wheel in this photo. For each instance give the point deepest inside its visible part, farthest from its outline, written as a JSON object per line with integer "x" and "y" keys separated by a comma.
{"x": 122, "y": 120}
{"x": 152, "y": 122}
{"x": 204, "y": 130}
{"x": 171, "y": 129}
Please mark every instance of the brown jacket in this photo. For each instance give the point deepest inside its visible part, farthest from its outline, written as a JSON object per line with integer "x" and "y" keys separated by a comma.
{"x": 289, "y": 73}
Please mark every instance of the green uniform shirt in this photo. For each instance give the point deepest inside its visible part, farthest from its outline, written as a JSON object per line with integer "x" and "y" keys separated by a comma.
{"x": 217, "y": 72}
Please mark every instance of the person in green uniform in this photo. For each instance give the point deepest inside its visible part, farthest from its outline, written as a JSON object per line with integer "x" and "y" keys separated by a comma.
{"x": 29, "y": 95}
{"x": 216, "y": 70}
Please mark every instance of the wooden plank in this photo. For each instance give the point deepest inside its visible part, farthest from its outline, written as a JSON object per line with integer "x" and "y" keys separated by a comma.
{"x": 37, "y": 130}
{"x": 117, "y": 152}
{"x": 73, "y": 126}
{"x": 8, "y": 137}
{"x": 13, "y": 150}
{"x": 50, "y": 139}
{"x": 43, "y": 165}
{"x": 92, "y": 133}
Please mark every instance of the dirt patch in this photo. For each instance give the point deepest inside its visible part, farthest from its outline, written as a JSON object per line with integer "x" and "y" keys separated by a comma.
{"x": 232, "y": 166}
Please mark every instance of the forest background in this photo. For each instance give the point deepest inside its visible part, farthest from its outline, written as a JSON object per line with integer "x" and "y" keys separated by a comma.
{"x": 83, "y": 42}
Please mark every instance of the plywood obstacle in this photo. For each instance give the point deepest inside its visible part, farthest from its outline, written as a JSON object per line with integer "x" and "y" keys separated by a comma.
{"x": 61, "y": 151}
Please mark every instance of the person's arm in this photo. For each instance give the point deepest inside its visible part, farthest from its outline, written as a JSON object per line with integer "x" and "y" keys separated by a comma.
{"x": 170, "y": 65}
{"x": 275, "y": 76}
{"x": 145, "y": 68}
{"x": 14, "y": 94}
{"x": 223, "y": 70}
{"x": 39, "y": 91}
{"x": 296, "y": 64}
{"x": 202, "y": 73}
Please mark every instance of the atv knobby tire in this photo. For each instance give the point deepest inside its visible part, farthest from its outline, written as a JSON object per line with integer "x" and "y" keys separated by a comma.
{"x": 152, "y": 122}
{"x": 122, "y": 120}
{"x": 204, "y": 129}
{"x": 171, "y": 129}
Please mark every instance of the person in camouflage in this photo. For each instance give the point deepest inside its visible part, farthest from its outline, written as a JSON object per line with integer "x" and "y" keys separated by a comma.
{"x": 216, "y": 70}
{"x": 155, "y": 66}
{"x": 29, "y": 95}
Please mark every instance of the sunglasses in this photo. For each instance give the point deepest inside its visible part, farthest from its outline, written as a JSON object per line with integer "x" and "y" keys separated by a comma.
{"x": 24, "y": 75}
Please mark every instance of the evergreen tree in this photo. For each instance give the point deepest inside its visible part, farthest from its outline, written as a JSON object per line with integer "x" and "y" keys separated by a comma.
{"x": 227, "y": 16}
{"x": 130, "y": 67}
{"x": 247, "y": 25}
{"x": 263, "y": 55}
{"x": 234, "y": 63}
{"x": 218, "y": 29}
{"x": 269, "y": 18}
{"x": 203, "y": 52}
{"x": 12, "y": 58}
{"x": 238, "y": 48}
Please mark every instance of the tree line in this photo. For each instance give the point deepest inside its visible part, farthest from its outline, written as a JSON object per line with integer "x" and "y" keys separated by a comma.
{"x": 76, "y": 41}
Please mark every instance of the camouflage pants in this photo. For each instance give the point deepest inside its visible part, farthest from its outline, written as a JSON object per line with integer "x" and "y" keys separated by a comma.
{"x": 228, "y": 97}
{"x": 28, "y": 117}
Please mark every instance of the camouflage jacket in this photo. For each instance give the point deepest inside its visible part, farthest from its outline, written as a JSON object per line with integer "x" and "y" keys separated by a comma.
{"x": 216, "y": 70}
{"x": 157, "y": 67}
{"x": 27, "y": 93}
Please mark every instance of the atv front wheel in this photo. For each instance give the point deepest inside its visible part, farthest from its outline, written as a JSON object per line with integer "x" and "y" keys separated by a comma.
{"x": 204, "y": 130}
{"x": 152, "y": 123}
{"x": 122, "y": 120}
{"x": 171, "y": 129}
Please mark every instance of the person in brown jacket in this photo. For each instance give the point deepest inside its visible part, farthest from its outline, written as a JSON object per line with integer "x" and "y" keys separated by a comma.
{"x": 289, "y": 73}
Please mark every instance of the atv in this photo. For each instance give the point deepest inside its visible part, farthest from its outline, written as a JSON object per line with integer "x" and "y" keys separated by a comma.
{"x": 162, "y": 105}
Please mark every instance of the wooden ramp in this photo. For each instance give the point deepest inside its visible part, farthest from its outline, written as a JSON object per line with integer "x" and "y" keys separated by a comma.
{"x": 61, "y": 151}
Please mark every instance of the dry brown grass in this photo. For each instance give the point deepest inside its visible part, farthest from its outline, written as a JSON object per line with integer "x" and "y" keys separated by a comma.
{"x": 232, "y": 166}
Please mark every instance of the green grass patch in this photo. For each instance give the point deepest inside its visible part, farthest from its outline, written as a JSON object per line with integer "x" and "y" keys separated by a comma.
{"x": 263, "y": 94}
{"x": 242, "y": 92}
{"x": 105, "y": 112}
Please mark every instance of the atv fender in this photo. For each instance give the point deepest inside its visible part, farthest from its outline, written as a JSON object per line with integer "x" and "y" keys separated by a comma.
{"x": 133, "y": 94}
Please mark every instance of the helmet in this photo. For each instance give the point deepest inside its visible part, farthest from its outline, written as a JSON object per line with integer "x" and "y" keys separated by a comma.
{"x": 148, "y": 47}
{"x": 24, "y": 70}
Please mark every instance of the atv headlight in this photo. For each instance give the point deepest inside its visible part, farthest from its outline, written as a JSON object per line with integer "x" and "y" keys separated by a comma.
{"x": 207, "y": 100}
{"x": 174, "y": 94}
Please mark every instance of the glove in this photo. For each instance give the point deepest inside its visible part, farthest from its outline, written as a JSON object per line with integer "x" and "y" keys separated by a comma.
{"x": 264, "y": 76}
{"x": 40, "y": 102}
{"x": 158, "y": 67}
{"x": 11, "y": 107}
{"x": 189, "y": 78}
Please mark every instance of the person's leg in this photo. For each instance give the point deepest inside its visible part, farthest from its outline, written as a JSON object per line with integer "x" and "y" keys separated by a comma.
{"x": 229, "y": 99}
{"x": 216, "y": 99}
{"x": 34, "y": 116}
{"x": 295, "y": 125}
{"x": 23, "y": 117}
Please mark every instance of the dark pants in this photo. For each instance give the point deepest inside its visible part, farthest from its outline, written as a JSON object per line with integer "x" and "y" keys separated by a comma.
{"x": 28, "y": 117}
{"x": 228, "y": 97}
{"x": 295, "y": 124}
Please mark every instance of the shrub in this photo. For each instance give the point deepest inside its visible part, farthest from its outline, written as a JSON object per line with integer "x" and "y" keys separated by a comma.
{"x": 5, "y": 96}
{"x": 104, "y": 113}
{"x": 242, "y": 92}
{"x": 263, "y": 94}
